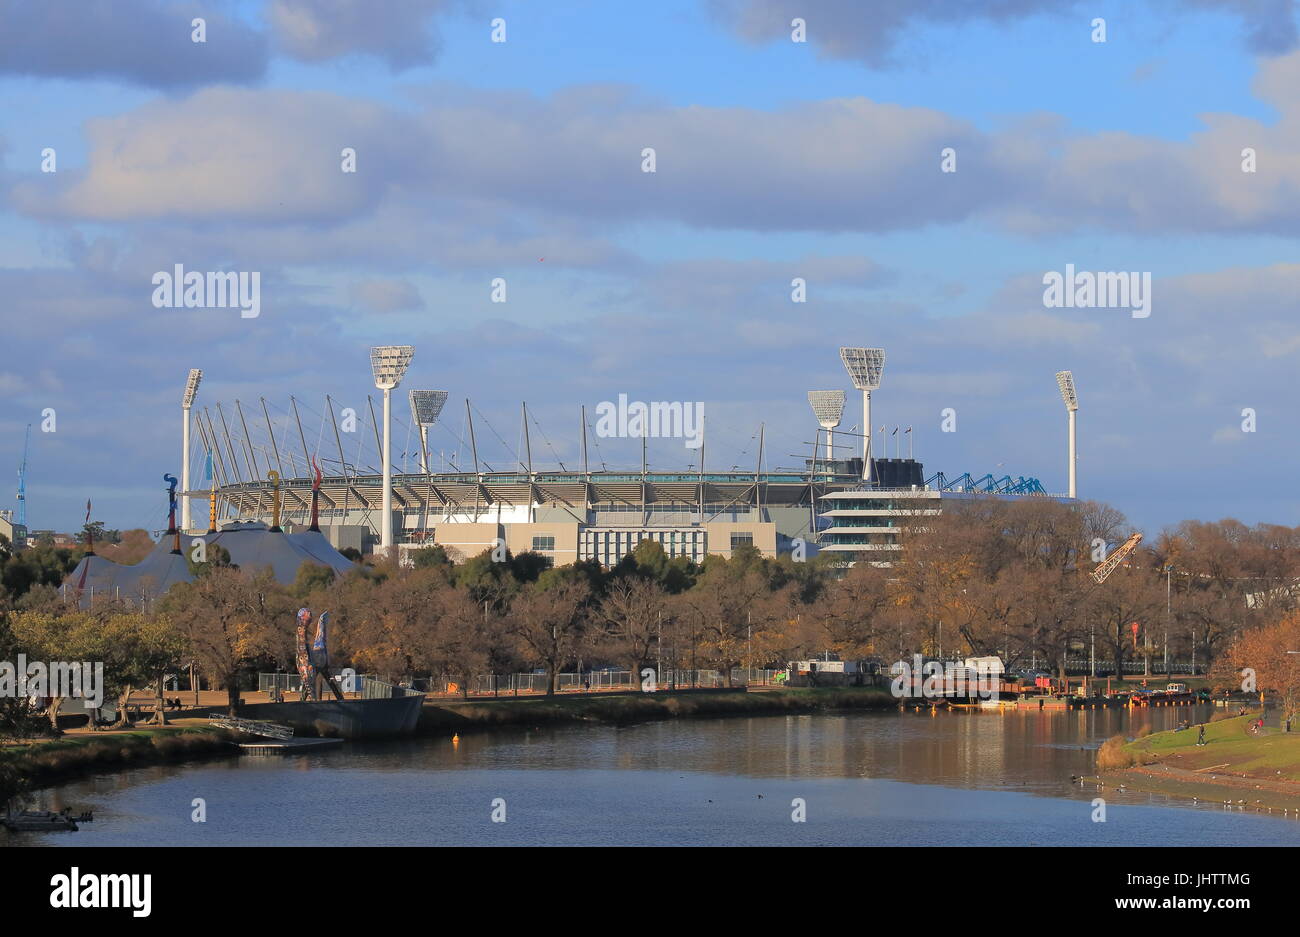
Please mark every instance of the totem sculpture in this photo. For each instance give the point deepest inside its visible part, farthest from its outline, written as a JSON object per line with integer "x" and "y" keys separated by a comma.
{"x": 306, "y": 672}
{"x": 275, "y": 500}
{"x": 172, "y": 529}
{"x": 315, "y": 497}
{"x": 313, "y": 659}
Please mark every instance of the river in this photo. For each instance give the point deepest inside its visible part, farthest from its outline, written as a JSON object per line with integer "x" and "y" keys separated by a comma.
{"x": 953, "y": 779}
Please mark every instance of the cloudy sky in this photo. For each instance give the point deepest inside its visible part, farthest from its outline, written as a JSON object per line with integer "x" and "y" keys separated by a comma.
{"x": 774, "y": 160}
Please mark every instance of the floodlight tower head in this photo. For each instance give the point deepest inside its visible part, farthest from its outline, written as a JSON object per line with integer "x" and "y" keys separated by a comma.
{"x": 865, "y": 366}
{"x": 426, "y": 405}
{"x": 1065, "y": 381}
{"x": 191, "y": 387}
{"x": 827, "y": 406}
{"x": 389, "y": 364}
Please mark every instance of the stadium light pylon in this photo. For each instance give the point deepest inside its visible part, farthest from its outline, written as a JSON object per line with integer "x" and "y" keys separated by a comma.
{"x": 426, "y": 405}
{"x": 1065, "y": 381}
{"x": 389, "y": 364}
{"x": 866, "y": 366}
{"x": 828, "y": 407}
{"x": 187, "y": 401}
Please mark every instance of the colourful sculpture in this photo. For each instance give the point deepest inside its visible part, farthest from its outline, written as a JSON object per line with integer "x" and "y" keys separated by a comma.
{"x": 315, "y": 497}
{"x": 172, "y": 529}
{"x": 275, "y": 499}
{"x": 306, "y": 672}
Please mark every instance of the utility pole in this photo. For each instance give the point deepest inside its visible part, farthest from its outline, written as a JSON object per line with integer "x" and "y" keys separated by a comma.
{"x": 1169, "y": 616}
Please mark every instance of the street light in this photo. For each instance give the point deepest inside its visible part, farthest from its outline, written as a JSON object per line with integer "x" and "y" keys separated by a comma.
{"x": 828, "y": 407}
{"x": 187, "y": 401}
{"x": 865, "y": 367}
{"x": 389, "y": 364}
{"x": 425, "y": 407}
{"x": 1065, "y": 381}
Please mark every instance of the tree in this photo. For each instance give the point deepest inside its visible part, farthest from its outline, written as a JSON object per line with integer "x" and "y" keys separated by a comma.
{"x": 632, "y": 613}
{"x": 550, "y": 625}
{"x": 1265, "y": 651}
{"x": 50, "y": 637}
{"x": 130, "y": 548}
{"x": 229, "y": 617}
{"x": 138, "y": 649}
{"x": 435, "y": 555}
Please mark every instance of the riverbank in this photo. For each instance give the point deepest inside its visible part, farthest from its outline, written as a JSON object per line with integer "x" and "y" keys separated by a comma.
{"x": 1234, "y": 767}
{"x": 441, "y": 716}
{"x": 42, "y": 763}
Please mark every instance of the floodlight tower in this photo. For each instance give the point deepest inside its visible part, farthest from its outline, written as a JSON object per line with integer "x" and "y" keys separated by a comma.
{"x": 828, "y": 407}
{"x": 389, "y": 364}
{"x": 187, "y": 401}
{"x": 425, "y": 407}
{"x": 1065, "y": 381}
{"x": 865, "y": 366}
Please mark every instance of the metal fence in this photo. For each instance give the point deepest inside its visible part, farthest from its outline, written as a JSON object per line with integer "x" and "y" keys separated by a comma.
{"x": 284, "y": 682}
{"x": 1133, "y": 668}
{"x": 378, "y": 689}
{"x": 513, "y": 684}
{"x": 749, "y": 676}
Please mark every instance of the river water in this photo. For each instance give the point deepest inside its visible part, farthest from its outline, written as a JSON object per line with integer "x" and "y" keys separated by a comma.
{"x": 954, "y": 779}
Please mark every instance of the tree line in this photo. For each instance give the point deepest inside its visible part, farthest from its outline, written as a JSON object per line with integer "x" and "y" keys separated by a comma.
{"x": 985, "y": 576}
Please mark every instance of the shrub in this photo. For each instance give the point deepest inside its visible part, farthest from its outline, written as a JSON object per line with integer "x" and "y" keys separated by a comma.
{"x": 1113, "y": 755}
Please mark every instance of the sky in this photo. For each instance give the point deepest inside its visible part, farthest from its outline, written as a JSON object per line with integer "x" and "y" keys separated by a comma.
{"x": 921, "y": 166}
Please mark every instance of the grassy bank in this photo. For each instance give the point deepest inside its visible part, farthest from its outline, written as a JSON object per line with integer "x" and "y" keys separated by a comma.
{"x": 609, "y": 709}
{"x": 43, "y": 763}
{"x": 1233, "y": 766}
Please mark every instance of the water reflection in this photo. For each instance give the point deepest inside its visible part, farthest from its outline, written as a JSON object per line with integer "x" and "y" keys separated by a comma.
{"x": 968, "y": 778}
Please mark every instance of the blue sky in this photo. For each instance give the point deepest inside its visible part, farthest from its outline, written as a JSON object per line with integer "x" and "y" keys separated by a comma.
{"x": 776, "y": 160}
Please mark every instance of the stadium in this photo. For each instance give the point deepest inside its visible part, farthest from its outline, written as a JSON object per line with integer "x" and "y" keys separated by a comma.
{"x": 851, "y": 506}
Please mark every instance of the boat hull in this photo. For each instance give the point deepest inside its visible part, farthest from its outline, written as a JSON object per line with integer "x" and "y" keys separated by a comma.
{"x": 348, "y": 719}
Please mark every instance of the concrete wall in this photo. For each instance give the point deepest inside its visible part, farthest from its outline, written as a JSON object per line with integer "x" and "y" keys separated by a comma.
{"x": 763, "y": 532}
{"x": 463, "y": 541}
{"x": 519, "y": 539}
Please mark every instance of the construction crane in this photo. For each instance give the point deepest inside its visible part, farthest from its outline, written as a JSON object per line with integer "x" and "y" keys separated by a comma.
{"x": 1108, "y": 566}
{"x": 22, "y": 481}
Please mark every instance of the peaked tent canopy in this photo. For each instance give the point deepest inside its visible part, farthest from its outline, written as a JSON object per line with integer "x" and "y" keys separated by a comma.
{"x": 252, "y": 546}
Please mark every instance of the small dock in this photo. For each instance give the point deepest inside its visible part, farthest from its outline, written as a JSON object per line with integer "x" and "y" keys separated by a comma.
{"x": 287, "y": 746}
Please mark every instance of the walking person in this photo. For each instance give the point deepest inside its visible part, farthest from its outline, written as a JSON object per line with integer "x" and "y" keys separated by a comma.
{"x": 1200, "y": 738}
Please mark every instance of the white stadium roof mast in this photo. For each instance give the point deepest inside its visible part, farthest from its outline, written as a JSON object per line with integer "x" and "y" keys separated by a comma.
{"x": 1065, "y": 381}
{"x": 426, "y": 406}
{"x": 828, "y": 407}
{"x": 389, "y": 364}
{"x": 866, "y": 367}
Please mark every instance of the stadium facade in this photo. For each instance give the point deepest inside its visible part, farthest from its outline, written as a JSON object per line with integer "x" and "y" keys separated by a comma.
{"x": 826, "y": 504}
{"x": 602, "y": 516}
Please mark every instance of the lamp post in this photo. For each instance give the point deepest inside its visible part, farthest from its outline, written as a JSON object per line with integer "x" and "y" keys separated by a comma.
{"x": 389, "y": 364}
{"x": 187, "y": 401}
{"x": 865, "y": 367}
{"x": 1065, "y": 381}
{"x": 1169, "y": 608}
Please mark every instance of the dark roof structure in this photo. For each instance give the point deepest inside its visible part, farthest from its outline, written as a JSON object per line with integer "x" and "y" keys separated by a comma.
{"x": 252, "y": 547}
